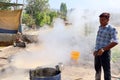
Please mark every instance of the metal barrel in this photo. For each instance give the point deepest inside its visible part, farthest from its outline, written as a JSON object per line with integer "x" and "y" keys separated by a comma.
{"x": 45, "y": 74}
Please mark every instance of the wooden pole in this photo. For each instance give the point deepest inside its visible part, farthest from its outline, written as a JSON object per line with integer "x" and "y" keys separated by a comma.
{"x": 16, "y": 1}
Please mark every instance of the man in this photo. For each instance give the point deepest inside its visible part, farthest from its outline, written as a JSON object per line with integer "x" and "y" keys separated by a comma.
{"x": 106, "y": 39}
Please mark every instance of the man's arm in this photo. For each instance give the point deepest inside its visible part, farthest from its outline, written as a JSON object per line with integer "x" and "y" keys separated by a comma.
{"x": 108, "y": 47}
{"x": 111, "y": 45}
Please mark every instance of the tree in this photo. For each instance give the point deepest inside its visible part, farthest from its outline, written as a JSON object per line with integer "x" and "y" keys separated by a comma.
{"x": 28, "y": 20}
{"x": 5, "y": 7}
{"x": 63, "y": 10}
{"x": 52, "y": 15}
{"x": 5, "y": 0}
{"x": 42, "y": 18}
{"x": 40, "y": 12}
{"x": 36, "y": 6}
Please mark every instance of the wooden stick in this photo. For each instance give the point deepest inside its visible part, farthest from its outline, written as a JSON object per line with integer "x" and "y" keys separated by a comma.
{"x": 3, "y": 58}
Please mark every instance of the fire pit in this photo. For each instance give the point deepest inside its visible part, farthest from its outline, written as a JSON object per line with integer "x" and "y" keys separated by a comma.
{"x": 45, "y": 74}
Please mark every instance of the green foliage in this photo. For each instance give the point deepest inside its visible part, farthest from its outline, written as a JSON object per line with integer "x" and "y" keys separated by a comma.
{"x": 5, "y": 7}
{"x": 27, "y": 19}
{"x": 39, "y": 12}
{"x": 115, "y": 54}
{"x": 45, "y": 18}
{"x": 42, "y": 18}
{"x": 63, "y": 10}
{"x": 52, "y": 15}
{"x": 5, "y": 0}
{"x": 36, "y": 6}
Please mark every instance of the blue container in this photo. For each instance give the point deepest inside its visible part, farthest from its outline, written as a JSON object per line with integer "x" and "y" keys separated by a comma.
{"x": 45, "y": 74}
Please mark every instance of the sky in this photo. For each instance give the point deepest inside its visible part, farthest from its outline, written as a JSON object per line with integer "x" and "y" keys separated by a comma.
{"x": 84, "y": 4}
{"x": 88, "y": 4}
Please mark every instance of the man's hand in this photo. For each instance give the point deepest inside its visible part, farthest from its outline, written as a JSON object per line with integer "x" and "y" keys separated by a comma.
{"x": 100, "y": 52}
{"x": 95, "y": 53}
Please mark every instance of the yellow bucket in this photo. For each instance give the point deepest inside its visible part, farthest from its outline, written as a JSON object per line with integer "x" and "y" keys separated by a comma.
{"x": 75, "y": 55}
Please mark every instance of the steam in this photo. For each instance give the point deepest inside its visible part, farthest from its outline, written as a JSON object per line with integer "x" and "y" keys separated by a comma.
{"x": 56, "y": 43}
{"x": 12, "y": 73}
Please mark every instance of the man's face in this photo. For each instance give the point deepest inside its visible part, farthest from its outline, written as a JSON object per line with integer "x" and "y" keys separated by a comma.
{"x": 103, "y": 21}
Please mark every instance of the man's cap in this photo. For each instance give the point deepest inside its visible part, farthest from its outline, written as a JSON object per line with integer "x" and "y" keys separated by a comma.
{"x": 105, "y": 14}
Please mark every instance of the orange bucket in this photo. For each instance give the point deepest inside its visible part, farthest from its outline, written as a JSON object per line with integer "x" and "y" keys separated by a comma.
{"x": 75, "y": 55}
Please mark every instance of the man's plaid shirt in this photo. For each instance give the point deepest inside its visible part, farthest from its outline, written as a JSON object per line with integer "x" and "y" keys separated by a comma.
{"x": 105, "y": 36}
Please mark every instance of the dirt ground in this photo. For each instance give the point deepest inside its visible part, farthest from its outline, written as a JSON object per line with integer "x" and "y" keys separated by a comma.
{"x": 81, "y": 71}
{"x": 70, "y": 72}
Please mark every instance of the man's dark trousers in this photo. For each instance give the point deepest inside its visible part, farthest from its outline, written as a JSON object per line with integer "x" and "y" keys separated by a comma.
{"x": 103, "y": 61}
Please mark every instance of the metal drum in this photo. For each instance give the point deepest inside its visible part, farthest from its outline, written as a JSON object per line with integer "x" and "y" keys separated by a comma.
{"x": 45, "y": 74}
